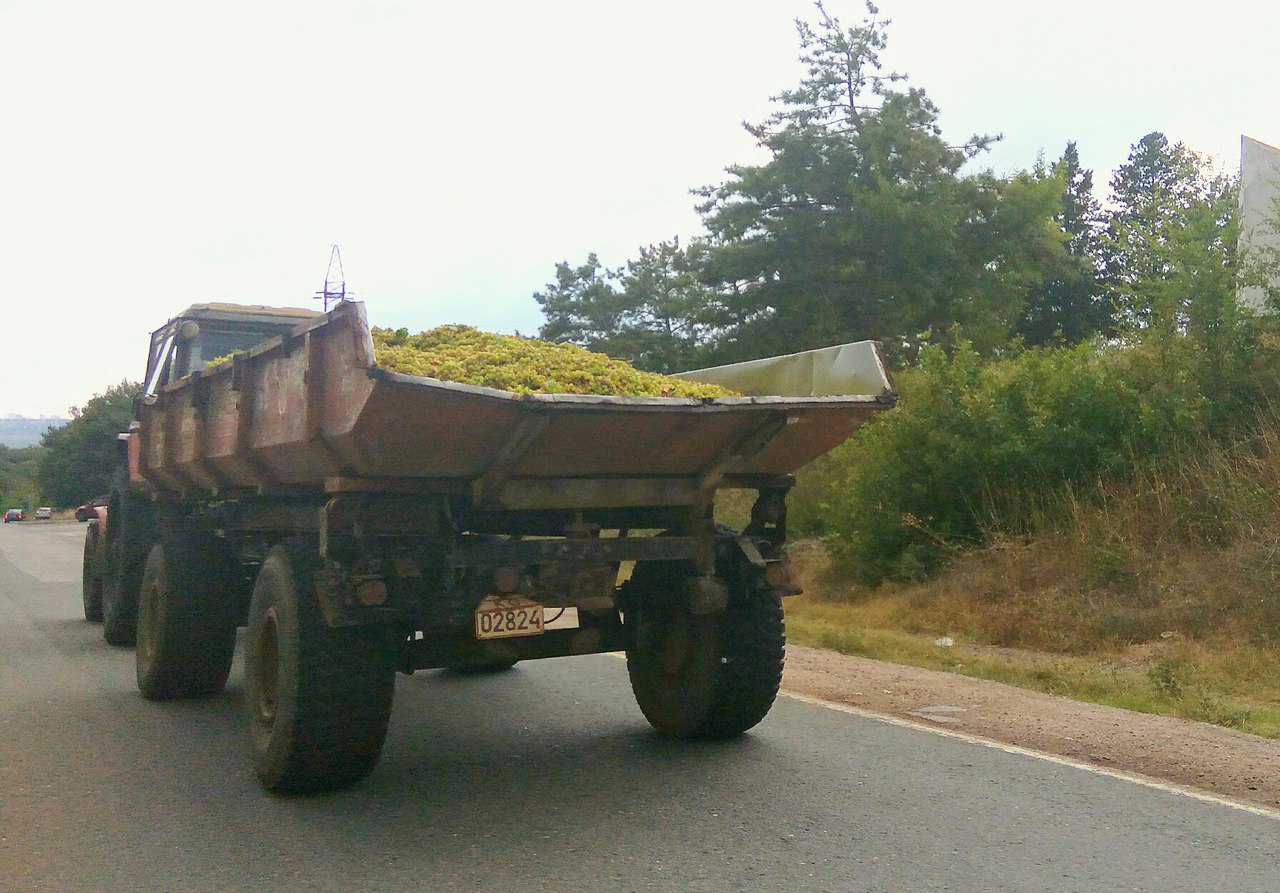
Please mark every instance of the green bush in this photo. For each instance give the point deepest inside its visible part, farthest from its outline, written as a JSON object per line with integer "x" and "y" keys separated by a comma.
{"x": 18, "y": 487}
{"x": 980, "y": 446}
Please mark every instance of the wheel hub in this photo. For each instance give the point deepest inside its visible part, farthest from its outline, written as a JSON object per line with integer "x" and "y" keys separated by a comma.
{"x": 267, "y": 671}
{"x": 148, "y": 622}
{"x": 671, "y": 645}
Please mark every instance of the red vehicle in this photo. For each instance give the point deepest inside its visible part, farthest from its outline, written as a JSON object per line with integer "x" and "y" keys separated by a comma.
{"x": 90, "y": 509}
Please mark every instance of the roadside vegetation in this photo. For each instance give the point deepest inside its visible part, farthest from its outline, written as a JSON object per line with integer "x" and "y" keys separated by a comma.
{"x": 1023, "y": 613}
{"x": 1100, "y": 522}
{"x": 18, "y": 469}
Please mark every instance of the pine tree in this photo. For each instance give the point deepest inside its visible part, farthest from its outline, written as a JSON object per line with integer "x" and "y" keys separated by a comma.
{"x": 1171, "y": 240}
{"x": 861, "y": 224}
{"x": 1072, "y": 305}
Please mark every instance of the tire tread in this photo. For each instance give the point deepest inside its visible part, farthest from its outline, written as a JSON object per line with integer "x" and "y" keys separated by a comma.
{"x": 736, "y": 677}
{"x": 344, "y": 685}
{"x": 91, "y": 576}
{"x": 196, "y": 645}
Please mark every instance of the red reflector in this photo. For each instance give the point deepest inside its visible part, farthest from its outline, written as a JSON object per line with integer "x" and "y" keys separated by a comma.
{"x": 372, "y": 593}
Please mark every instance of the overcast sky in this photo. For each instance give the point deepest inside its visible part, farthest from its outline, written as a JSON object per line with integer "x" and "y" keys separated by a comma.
{"x": 159, "y": 154}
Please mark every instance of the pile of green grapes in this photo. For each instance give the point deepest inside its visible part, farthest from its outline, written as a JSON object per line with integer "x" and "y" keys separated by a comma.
{"x": 523, "y": 365}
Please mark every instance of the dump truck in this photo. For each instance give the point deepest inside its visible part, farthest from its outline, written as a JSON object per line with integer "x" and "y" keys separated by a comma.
{"x": 359, "y": 522}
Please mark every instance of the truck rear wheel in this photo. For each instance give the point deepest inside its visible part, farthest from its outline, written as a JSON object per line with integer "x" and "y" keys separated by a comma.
{"x": 704, "y": 675}
{"x": 318, "y": 697}
{"x": 185, "y": 643}
{"x": 91, "y": 576}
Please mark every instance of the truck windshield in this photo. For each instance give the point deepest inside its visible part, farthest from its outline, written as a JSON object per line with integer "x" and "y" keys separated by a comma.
{"x": 161, "y": 363}
{"x": 192, "y": 356}
{"x": 215, "y": 345}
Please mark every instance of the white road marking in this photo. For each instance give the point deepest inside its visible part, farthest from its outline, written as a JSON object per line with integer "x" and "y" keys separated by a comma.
{"x": 1131, "y": 777}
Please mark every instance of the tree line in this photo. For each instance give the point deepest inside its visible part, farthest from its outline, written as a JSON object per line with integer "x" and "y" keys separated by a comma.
{"x": 866, "y": 223}
{"x": 18, "y": 468}
{"x": 1045, "y": 343}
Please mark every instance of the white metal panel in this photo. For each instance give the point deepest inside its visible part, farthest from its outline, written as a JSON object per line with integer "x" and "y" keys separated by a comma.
{"x": 845, "y": 369}
{"x": 1259, "y": 206}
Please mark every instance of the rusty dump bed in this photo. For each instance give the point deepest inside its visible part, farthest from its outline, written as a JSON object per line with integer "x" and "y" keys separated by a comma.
{"x": 311, "y": 413}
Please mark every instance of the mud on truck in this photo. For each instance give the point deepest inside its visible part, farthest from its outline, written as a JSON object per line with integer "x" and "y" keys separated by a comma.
{"x": 361, "y": 522}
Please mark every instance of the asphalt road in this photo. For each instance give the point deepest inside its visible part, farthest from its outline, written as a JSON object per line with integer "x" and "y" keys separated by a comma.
{"x": 544, "y": 778}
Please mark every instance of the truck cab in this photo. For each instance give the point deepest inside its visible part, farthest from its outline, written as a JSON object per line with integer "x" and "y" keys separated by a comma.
{"x": 206, "y": 332}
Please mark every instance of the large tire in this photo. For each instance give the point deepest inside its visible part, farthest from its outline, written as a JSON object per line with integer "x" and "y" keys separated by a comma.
{"x": 704, "y": 675}
{"x": 185, "y": 637}
{"x": 121, "y": 583}
{"x": 129, "y": 540}
{"x": 91, "y": 576}
{"x": 318, "y": 697}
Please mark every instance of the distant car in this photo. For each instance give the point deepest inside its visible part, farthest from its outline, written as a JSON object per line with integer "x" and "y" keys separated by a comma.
{"x": 13, "y": 515}
{"x": 44, "y": 513}
{"x": 87, "y": 511}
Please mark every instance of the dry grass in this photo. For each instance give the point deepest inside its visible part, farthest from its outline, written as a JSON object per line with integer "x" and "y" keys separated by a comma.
{"x": 1161, "y": 595}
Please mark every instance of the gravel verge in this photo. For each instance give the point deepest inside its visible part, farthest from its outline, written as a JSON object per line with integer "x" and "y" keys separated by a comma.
{"x": 1195, "y": 755}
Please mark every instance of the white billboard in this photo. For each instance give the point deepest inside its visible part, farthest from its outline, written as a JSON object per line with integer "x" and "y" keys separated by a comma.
{"x": 1259, "y": 206}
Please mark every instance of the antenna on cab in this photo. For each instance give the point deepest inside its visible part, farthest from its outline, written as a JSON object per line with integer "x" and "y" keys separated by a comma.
{"x": 335, "y": 282}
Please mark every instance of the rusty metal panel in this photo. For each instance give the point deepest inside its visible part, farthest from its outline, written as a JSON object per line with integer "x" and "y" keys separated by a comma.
{"x": 222, "y": 423}
{"x": 278, "y": 404}
{"x": 811, "y": 432}
{"x": 582, "y": 442}
{"x": 412, "y": 429}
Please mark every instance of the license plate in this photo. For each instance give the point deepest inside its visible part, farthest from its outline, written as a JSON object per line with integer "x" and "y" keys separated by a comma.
{"x": 504, "y": 617}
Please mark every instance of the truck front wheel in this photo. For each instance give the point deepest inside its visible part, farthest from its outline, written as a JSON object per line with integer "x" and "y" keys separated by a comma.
{"x": 185, "y": 642}
{"x": 704, "y": 675}
{"x": 318, "y": 697}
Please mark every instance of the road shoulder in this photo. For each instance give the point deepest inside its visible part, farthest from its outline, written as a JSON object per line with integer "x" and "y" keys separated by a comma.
{"x": 1195, "y": 755}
